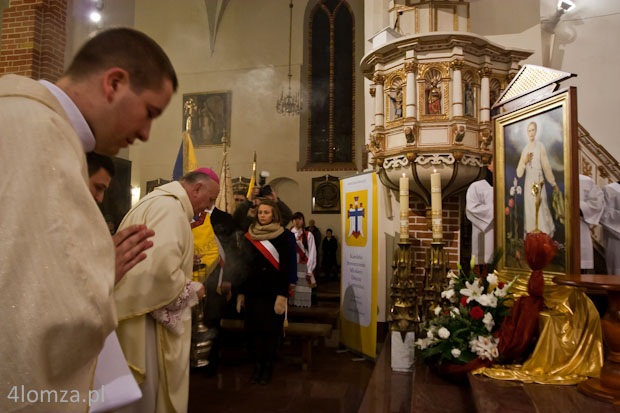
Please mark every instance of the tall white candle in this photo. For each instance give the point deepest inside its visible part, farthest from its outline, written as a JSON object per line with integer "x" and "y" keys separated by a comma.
{"x": 436, "y": 205}
{"x": 404, "y": 207}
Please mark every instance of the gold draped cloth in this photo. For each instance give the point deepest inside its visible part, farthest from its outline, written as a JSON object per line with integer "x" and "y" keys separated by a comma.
{"x": 155, "y": 283}
{"x": 569, "y": 348}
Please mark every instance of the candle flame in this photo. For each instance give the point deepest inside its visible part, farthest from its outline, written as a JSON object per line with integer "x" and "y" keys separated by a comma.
{"x": 434, "y": 170}
{"x": 404, "y": 175}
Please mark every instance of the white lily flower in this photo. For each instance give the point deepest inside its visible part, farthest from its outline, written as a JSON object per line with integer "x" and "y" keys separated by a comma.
{"x": 472, "y": 290}
{"x": 447, "y": 294}
{"x": 437, "y": 310}
{"x": 500, "y": 292}
{"x": 487, "y": 300}
{"x": 444, "y": 333}
{"x": 492, "y": 279}
{"x": 512, "y": 191}
{"x": 454, "y": 312}
{"x": 451, "y": 275}
{"x": 518, "y": 190}
{"x": 456, "y": 353}
{"x": 488, "y": 321}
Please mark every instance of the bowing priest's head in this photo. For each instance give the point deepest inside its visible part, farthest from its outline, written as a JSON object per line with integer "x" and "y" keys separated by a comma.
{"x": 120, "y": 80}
{"x": 202, "y": 186}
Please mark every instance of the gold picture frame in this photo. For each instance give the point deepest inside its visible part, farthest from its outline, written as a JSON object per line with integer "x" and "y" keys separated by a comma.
{"x": 553, "y": 122}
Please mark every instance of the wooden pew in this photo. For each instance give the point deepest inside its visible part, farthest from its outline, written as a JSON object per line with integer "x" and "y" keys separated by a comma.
{"x": 316, "y": 313}
{"x": 306, "y": 332}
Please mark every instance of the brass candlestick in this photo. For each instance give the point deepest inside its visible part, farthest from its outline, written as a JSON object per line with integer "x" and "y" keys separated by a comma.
{"x": 434, "y": 279}
{"x": 404, "y": 312}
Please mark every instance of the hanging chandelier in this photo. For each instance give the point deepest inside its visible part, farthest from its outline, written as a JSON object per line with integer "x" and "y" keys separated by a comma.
{"x": 289, "y": 104}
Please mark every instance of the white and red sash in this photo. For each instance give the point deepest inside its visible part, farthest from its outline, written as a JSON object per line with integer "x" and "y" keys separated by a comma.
{"x": 267, "y": 249}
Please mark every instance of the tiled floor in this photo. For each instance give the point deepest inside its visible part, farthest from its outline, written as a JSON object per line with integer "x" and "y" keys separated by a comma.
{"x": 334, "y": 383}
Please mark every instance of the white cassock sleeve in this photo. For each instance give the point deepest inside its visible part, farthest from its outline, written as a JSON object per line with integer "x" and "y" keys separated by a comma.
{"x": 479, "y": 210}
{"x": 591, "y": 204}
{"x": 610, "y": 220}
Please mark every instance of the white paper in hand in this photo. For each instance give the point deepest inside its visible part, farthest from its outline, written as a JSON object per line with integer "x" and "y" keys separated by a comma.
{"x": 114, "y": 385}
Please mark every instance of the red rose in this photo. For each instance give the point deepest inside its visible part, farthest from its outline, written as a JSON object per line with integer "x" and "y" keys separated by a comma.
{"x": 500, "y": 285}
{"x": 446, "y": 312}
{"x": 476, "y": 313}
{"x": 511, "y": 202}
{"x": 507, "y": 211}
{"x": 464, "y": 301}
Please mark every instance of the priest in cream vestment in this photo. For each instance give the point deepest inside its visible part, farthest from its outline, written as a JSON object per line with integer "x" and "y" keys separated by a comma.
{"x": 154, "y": 298}
{"x": 56, "y": 254}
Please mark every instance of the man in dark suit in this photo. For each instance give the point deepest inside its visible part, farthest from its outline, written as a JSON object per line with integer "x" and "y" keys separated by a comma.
{"x": 218, "y": 287}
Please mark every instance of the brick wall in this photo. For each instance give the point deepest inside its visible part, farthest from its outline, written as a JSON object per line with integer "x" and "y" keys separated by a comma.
{"x": 421, "y": 234}
{"x": 33, "y": 38}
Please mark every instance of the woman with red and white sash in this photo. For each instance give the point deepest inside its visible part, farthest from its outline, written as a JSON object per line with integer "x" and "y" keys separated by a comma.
{"x": 265, "y": 251}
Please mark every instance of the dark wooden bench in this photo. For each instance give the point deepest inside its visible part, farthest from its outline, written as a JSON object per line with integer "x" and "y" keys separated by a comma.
{"x": 316, "y": 313}
{"x": 306, "y": 332}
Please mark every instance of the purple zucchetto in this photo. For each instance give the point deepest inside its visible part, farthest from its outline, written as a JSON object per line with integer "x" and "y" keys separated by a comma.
{"x": 209, "y": 172}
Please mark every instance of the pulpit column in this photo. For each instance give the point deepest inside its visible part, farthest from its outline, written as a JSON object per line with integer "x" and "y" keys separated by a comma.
{"x": 410, "y": 94}
{"x": 379, "y": 101}
{"x": 457, "y": 88}
{"x": 485, "y": 94}
{"x": 373, "y": 93}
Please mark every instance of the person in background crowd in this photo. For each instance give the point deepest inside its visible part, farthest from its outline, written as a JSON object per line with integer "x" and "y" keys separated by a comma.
{"x": 316, "y": 233}
{"x": 244, "y": 214}
{"x": 610, "y": 221}
{"x": 306, "y": 262}
{"x": 480, "y": 211}
{"x": 591, "y": 205}
{"x": 239, "y": 197}
{"x": 330, "y": 249}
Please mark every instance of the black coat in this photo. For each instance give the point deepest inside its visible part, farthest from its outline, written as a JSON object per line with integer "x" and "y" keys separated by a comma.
{"x": 264, "y": 283}
{"x": 226, "y": 231}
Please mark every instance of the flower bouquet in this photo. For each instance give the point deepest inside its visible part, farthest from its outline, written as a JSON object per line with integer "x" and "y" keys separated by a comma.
{"x": 462, "y": 331}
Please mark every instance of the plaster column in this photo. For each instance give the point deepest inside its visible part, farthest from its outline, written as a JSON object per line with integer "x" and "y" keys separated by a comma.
{"x": 457, "y": 88}
{"x": 485, "y": 95}
{"x": 379, "y": 104}
{"x": 410, "y": 93}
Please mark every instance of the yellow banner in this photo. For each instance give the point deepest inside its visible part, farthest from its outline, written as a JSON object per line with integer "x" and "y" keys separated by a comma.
{"x": 358, "y": 301}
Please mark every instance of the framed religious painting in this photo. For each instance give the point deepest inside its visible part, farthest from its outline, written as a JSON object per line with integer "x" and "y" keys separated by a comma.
{"x": 536, "y": 152}
{"x": 207, "y": 117}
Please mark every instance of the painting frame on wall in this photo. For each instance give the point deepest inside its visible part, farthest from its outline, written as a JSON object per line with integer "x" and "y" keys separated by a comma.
{"x": 207, "y": 117}
{"x": 538, "y": 142}
{"x": 326, "y": 195}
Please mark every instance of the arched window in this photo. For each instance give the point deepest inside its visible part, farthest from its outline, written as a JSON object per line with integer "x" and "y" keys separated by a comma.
{"x": 331, "y": 82}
